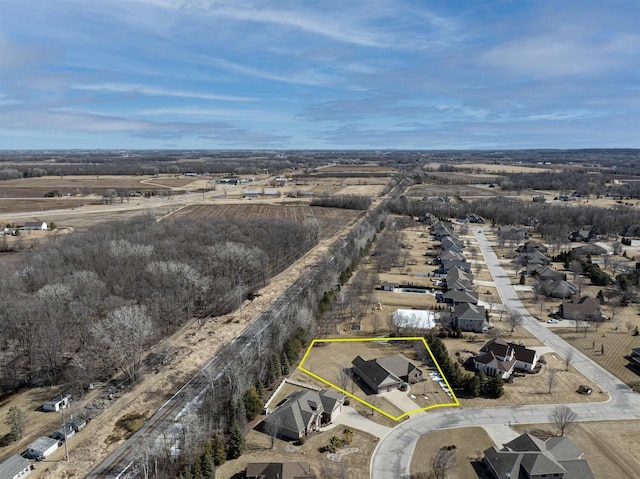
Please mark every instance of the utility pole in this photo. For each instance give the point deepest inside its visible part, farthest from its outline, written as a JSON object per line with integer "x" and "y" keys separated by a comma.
{"x": 64, "y": 429}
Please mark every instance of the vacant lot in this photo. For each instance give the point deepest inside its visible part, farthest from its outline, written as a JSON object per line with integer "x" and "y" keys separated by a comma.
{"x": 469, "y": 442}
{"x": 330, "y": 219}
{"x": 354, "y": 465}
{"x": 610, "y": 447}
{"x": 44, "y": 204}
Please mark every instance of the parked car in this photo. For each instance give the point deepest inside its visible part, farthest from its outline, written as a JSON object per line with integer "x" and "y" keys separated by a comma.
{"x": 586, "y": 390}
{"x": 552, "y": 321}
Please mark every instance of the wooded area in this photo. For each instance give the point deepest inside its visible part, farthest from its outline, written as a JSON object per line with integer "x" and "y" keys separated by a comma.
{"x": 69, "y": 309}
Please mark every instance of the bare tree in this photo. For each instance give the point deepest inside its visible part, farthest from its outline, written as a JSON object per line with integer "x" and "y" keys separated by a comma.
{"x": 273, "y": 427}
{"x": 563, "y": 418}
{"x": 551, "y": 379}
{"x": 629, "y": 325}
{"x": 443, "y": 462}
{"x": 568, "y": 357}
{"x": 514, "y": 319}
{"x": 122, "y": 337}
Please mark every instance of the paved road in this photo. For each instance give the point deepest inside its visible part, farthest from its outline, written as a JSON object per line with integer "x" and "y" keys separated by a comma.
{"x": 392, "y": 456}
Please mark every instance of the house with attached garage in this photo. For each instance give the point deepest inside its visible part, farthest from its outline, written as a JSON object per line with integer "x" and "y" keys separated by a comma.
{"x": 302, "y": 412}
{"x": 387, "y": 373}
{"x": 469, "y": 317}
{"x": 522, "y": 357}
{"x": 527, "y": 457}
{"x": 585, "y": 309}
{"x": 14, "y": 467}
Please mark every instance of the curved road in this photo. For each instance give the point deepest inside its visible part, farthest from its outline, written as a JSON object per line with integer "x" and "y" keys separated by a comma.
{"x": 392, "y": 457}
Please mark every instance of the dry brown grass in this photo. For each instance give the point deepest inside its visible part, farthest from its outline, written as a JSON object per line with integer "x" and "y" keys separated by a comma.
{"x": 610, "y": 447}
{"x": 469, "y": 442}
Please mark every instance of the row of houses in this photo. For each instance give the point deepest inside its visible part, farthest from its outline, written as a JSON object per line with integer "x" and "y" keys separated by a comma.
{"x": 457, "y": 291}
{"x": 46, "y": 445}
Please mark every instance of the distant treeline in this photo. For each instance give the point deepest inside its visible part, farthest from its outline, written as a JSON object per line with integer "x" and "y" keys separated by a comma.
{"x": 349, "y": 202}
{"x": 551, "y": 220}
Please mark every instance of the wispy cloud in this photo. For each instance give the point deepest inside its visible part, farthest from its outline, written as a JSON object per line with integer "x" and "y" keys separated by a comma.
{"x": 157, "y": 91}
{"x": 310, "y": 78}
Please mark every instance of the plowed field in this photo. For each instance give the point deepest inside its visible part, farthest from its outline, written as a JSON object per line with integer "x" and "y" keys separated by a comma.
{"x": 329, "y": 219}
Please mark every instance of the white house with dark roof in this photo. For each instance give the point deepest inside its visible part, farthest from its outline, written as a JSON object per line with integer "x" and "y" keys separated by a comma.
{"x": 527, "y": 457}
{"x": 498, "y": 357}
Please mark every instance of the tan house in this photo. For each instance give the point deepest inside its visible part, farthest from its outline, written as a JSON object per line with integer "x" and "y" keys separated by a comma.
{"x": 279, "y": 470}
{"x": 584, "y": 309}
{"x": 387, "y": 373}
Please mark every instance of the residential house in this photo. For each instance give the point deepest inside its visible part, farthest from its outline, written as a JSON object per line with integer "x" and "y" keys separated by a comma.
{"x": 451, "y": 243}
{"x": 583, "y": 235}
{"x": 303, "y": 411}
{"x": 558, "y": 289}
{"x": 527, "y": 457}
{"x": 447, "y": 265}
{"x": 279, "y": 470}
{"x": 387, "y": 373}
{"x": 588, "y": 250}
{"x": 14, "y": 467}
{"x": 491, "y": 365}
{"x": 537, "y": 257}
{"x": 42, "y": 447}
{"x": 458, "y": 279}
{"x": 531, "y": 246}
{"x": 455, "y": 296}
{"x": 547, "y": 272}
{"x": 585, "y": 309}
{"x": 470, "y": 317}
{"x": 525, "y": 358}
{"x": 512, "y": 232}
{"x": 451, "y": 256}
{"x": 77, "y": 423}
{"x": 56, "y": 403}
{"x": 441, "y": 229}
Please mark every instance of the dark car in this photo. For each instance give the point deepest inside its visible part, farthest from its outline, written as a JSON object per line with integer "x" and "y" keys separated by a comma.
{"x": 582, "y": 389}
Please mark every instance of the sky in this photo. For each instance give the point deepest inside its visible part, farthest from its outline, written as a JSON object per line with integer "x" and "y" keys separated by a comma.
{"x": 323, "y": 74}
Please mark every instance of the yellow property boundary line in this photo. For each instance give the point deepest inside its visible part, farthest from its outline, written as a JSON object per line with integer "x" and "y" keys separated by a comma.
{"x": 362, "y": 401}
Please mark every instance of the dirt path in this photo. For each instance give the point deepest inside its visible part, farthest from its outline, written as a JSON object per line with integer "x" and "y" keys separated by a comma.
{"x": 193, "y": 345}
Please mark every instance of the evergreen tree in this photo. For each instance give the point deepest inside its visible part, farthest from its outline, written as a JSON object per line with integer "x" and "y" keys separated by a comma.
{"x": 252, "y": 403}
{"x": 207, "y": 468}
{"x": 218, "y": 451}
{"x": 284, "y": 362}
{"x": 196, "y": 468}
{"x": 236, "y": 442}
{"x": 494, "y": 387}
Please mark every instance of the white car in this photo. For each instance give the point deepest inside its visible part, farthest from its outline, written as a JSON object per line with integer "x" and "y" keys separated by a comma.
{"x": 552, "y": 321}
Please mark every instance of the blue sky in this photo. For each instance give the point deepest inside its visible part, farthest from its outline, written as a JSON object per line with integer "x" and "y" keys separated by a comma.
{"x": 319, "y": 74}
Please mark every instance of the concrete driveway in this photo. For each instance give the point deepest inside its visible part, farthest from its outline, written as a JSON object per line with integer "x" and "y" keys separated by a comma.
{"x": 401, "y": 400}
{"x": 350, "y": 417}
{"x": 392, "y": 456}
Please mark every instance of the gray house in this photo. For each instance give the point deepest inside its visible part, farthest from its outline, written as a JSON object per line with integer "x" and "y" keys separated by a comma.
{"x": 527, "y": 457}
{"x": 42, "y": 447}
{"x": 585, "y": 309}
{"x": 386, "y": 373}
{"x": 470, "y": 317}
{"x": 303, "y": 411}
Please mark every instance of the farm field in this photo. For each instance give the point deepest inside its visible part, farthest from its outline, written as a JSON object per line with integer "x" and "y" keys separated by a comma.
{"x": 83, "y": 185}
{"x": 330, "y": 219}
{"x": 11, "y": 205}
{"x": 469, "y": 442}
{"x": 610, "y": 447}
{"x": 361, "y": 168}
